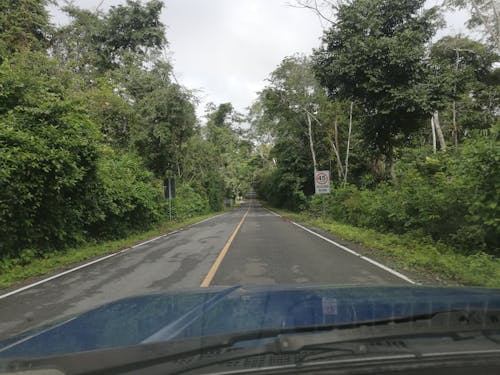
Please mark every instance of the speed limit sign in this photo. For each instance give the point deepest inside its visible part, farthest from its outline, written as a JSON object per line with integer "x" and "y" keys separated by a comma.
{"x": 322, "y": 182}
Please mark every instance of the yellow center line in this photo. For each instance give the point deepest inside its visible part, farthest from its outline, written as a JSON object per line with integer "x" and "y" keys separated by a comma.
{"x": 210, "y": 275}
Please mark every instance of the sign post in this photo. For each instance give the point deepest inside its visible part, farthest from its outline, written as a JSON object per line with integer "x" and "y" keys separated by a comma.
{"x": 169, "y": 192}
{"x": 322, "y": 186}
{"x": 170, "y": 199}
{"x": 323, "y": 211}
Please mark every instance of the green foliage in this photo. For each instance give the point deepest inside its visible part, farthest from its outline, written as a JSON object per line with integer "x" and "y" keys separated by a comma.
{"x": 189, "y": 203}
{"x": 24, "y": 25}
{"x": 281, "y": 111}
{"x": 292, "y": 95}
{"x": 374, "y": 55}
{"x": 450, "y": 198}
{"x": 168, "y": 120}
{"x": 226, "y": 170}
{"x": 471, "y": 60}
{"x": 49, "y": 151}
{"x": 97, "y": 42}
{"x": 463, "y": 76}
{"x": 281, "y": 189}
{"x": 133, "y": 28}
{"x": 477, "y": 166}
{"x": 220, "y": 116}
{"x": 483, "y": 16}
{"x": 214, "y": 185}
{"x": 58, "y": 183}
{"x": 115, "y": 116}
{"x": 126, "y": 196}
{"x": 135, "y": 82}
{"x": 87, "y": 135}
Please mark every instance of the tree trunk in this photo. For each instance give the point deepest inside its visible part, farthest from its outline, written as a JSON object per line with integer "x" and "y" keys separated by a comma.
{"x": 178, "y": 169}
{"x": 455, "y": 128}
{"x": 309, "y": 123}
{"x": 348, "y": 145}
{"x": 390, "y": 164}
{"x": 454, "y": 109}
{"x": 313, "y": 154}
{"x": 433, "y": 130}
{"x": 492, "y": 30}
{"x": 340, "y": 171}
{"x": 439, "y": 132}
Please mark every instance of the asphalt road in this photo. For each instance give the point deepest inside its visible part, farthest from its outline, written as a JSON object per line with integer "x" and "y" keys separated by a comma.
{"x": 249, "y": 245}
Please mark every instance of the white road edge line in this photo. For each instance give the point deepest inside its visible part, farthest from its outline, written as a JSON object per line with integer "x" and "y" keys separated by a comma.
{"x": 151, "y": 240}
{"x": 274, "y": 213}
{"x": 29, "y": 286}
{"x": 61, "y": 274}
{"x": 374, "y": 262}
{"x": 208, "y": 219}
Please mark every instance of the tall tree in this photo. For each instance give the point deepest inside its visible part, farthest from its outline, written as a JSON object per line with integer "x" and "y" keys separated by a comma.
{"x": 461, "y": 74}
{"x": 167, "y": 122}
{"x": 294, "y": 110}
{"x": 24, "y": 25}
{"x": 294, "y": 98}
{"x": 97, "y": 42}
{"x": 374, "y": 55}
{"x": 49, "y": 151}
{"x": 232, "y": 151}
{"x": 111, "y": 110}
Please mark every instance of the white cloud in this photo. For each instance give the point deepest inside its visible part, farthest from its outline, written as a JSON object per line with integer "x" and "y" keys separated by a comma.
{"x": 227, "y": 48}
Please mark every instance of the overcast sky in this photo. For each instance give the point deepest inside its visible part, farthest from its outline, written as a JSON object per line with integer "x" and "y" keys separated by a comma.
{"x": 225, "y": 49}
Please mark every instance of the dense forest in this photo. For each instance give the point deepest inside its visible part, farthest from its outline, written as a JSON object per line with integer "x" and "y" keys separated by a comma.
{"x": 408, "y": 125}
{"x": 93, "y": 121}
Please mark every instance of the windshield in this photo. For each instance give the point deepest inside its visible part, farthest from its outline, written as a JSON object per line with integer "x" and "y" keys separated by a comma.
{"x": 172, "y": 170}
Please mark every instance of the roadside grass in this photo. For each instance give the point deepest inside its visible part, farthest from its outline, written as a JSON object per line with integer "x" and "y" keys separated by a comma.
{"x": 419, "y": 255}
{"x": 29, "y": 266}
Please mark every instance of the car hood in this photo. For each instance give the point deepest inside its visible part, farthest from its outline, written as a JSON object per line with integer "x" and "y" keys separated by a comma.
{"x": 219, "y": 310}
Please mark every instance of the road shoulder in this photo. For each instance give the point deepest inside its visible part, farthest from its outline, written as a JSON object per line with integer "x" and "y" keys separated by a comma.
{"x": 59, "y": 263}
{"x": 419, "y": 276}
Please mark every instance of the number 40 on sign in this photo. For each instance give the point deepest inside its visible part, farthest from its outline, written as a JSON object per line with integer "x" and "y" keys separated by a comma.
{"x": 322, "y": 182}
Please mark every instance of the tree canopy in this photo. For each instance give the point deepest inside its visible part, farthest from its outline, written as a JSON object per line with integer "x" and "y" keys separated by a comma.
{"x": 92, "y": 122}
{"x": 374, "y": 55}
{"x": 381, "y": 95}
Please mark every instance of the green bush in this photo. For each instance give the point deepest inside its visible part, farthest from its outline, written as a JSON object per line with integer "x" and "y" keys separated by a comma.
{"x": 126, "y": 196}
{"x": 214, "y": 186}
{"x": 59, "y": 184}
{"x": 452, "y": 198}
{"x": 282, "y": 189}
{"x": 478, "y": 168}
{"x": 49, "y": 152}
{"x": 189, "y": 203}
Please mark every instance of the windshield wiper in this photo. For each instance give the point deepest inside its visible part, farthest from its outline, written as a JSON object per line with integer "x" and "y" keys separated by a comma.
{"x": 344, "y": 339}
{"x": 228, "y": 347}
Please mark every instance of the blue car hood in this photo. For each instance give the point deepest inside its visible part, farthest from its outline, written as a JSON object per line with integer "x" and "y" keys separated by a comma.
{"x": 212, "y": 311}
